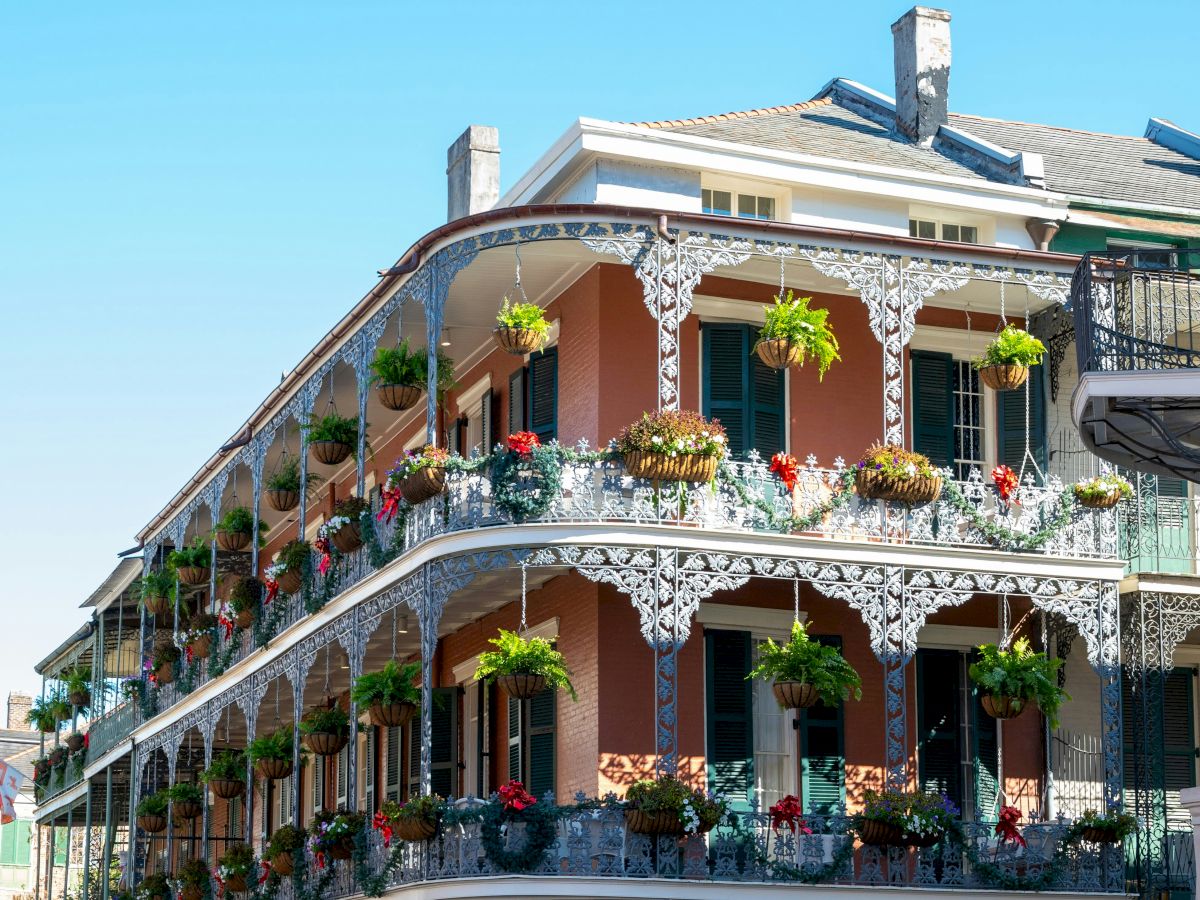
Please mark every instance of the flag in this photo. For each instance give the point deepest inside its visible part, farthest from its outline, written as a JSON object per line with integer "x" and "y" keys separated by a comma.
{"x": 10, "y": 786}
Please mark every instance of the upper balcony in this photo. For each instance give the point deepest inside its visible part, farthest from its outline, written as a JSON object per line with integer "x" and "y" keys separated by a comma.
{"x": 1137, "y": 321}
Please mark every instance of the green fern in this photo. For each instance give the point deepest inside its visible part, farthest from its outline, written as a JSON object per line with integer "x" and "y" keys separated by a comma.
{"x": 791, "y": 320}
{"x": 517, "y": 656}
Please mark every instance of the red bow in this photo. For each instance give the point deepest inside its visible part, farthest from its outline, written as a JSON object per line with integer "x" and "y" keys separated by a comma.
{"x": 320, "y": 859}
{"x": 1007, "y": 483}
{"x": 514, "y": 796}
{"x": 187, "y": 651}
{"x": 220, "y": 885}
{"x": 524, "y": 442}
{"x": 391, "y": 505}
{"x": 266, "y": 866}
{"x": 1006, "y": 827}
{"x": 272, "y": 592}
{"x": 383, "y": 824}
{"x": 322, "y": 546}
{"x": 787, "y": 468}
{"x": 227, "y": 623}
{"x": 788, "y": 813}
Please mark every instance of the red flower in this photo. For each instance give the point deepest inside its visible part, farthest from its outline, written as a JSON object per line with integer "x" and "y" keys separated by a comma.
{"x": 523, "y": 442}
{"x": 391, "y": 504}
{"x": 321, "y": 545}
{"x": 227, "y": 623}
{"x": 788, "y": 813}
{"x": 1006, "y": 827}
{"x": 1008, "y": 484}
{"x": 514, "y": 796}
{"x": 188, "y": 653}
{"x": 787, "y": 468}
{"x": 383, "y": 824}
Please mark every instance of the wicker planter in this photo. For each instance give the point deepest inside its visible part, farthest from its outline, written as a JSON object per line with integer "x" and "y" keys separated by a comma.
{"x": 282, "y": 863}
{"x": 1004, "y": 378}
{"x": 152, "y": 824}
{"x": 234, "y": 541}
{"x": 654, "y": 823}
{"x": 780, "y": 353}
{"x": 164, "y": 674}
{"x": 412, "y": 828}
{"x": 244, "y": 619}
{"x": 348, "y": 538}
{"x": 326, "y": 743}
{"x": 227, "y": 788}
{"x": 1000, "y": 707}
{"x": 343, "y": 849}
{"x": 75, "y": 743}
{"x": 422, "y": 484}
{"x": 187, "y": 810}
{"x": 330, "y": 453}
{"x": 1107, "y": 501}
{"x": 398, "y": 396}
{"x": 795, "y": 694}
{"x": 521, "y": 686}
{"x": 194, "y": 575}
{"x": 873, "y": 485}
{"x": 236, "y": 883}
{"x": 392, "y": 715}
{"x": 1100, "y": 835}
{"x": 191, "y": 892}
{"x": 158, "y": 606}
{"x": 273, "y": 769}
{"x": 661, "y": 467}
{"x": 517, "y": 341}
{"x": 880, "y": 834}
{"x": 290, "y": 582}
{"x": 201, "y": 647}
{"x": 80, "y": 698}
{"x": 283, "y": 501}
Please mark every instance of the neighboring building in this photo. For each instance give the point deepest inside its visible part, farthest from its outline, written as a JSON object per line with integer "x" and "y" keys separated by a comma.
{"x": 652, "y": 248}
{"x": 18, "y": 748}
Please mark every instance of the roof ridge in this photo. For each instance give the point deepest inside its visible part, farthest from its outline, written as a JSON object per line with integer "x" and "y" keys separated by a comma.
{"x": 739, "y": 114}
{"x": 1131, "y": 137}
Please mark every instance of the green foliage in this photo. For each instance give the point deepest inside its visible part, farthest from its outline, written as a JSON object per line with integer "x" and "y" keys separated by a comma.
{"x": 46, "y": 712}
{"x": 1012, "y": 347}
{"x": 157, "y": 583}
{"x": 352, "y": 508}
{"x": 1020, "y": 673}
{"x": 391, "y": 684}
{"x": 1102, "y": 487}
{"x": 286, "y": 839}
{"x": 399, "y": 365}
{"x": 238, "y": 859}
{"x": 334, "y": 427}
{"x": 228, "y": 765}
{"x": 325, "y": 720}
{"x": 896, "y": 462}
{"x": 427, "y": 806}
{"x": 1120, "y": 825}
{"x": 154, "y": 805}
{"x": 76, "y": 680}
{"x": 809, "y": 661}
{"x": 517, "y": 656}
{"x": 526, "y": 316}
{"x": 194, "y": 873}
{"x": 185, "y": 792}
{"x": 673, "y": 431}
{"x": 276, "y": 745}
{"x": 164, "y": 655}
{"x": 240, "y": 520}
{"x": 155, "y": 886}
{"x": 198, "y": 554}
{"x": 287, "y": 477}
{"x": 245, "y": 595}
{"x": 921, "y": 813}
{"x": 695, "y": 809}
{"x": 791, "y": 320}
{"x": 295, "y": 555}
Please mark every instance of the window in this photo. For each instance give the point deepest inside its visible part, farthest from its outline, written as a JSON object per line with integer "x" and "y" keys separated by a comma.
{"x": 748, "y": 206}
{"x": 531, "y": 741}
{"x": 444, "y": 749}
{"x": 929, "y": 230}
{"x": 533, "y": 396}
{"x": 475, "y": 739}
{"x": 746, "y": 395}
{"x": 14, "y": 843}
{"x": 968, "y": 420}
{"x": 1145, "y": 255}
{"x": 1011, "y": 419}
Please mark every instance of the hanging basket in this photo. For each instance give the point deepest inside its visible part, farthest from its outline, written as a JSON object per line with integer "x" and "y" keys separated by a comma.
{"x": 661, "y": 467}
{"x": 194, "y": 575}
{"x": 521, "y": 686}
{"x": 187, "y": 810}
{"x": 398, "y": 396}
{"x": 1106, "y": 501}
{"x": 282, "y": 863}
{"x": 80, "y": 698}
{"x": 1101, "y": 835}
{"x": 874, "y": 485}
{"x": 343, "y": 848}
{"x": 880, "y": 834}
{"x": 227, "y": 788}
{"x": 191, "y": 892}
{"x": 1000, "y": 707}
{"x": 330, "y": 453}
{"x": 158, "y": 606}
{"x": 244, "y": 619}
{"x": 283, "y": 501}
{"x": 653, "y": 823}
{"x": 392, "y": 715}
{"x": 75, "y": 743}
{"x": 780, "y": 353}
{"x": 415, "y": 828}
{"x": 348, "y": 538}
{"x": 201, "y": 647}
{"x": 517, "y": 341}
{"x": 153, "y": 824}
{"x": 923, "y": 840}
{"x": 273, "y": 769}
{"x": 234, "y": 541}
{"x": 1004, "y": 378}
{"x": 236, "y": 883}
{"x": 326, "y": 743}
{"x": 422, "y": 484}
{"x": 290, "y": 582}
{"x": 164, "y": 674}
{"x": 795, "y": 694}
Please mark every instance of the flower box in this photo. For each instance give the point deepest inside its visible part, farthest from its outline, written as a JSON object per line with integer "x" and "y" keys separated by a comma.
{"x": 194, "y": 575}
{"x": 423, "y": 484}
{"x": 874, "y": 485}
{"x": 693, "y": 467}
{"x": 415, "y": 828}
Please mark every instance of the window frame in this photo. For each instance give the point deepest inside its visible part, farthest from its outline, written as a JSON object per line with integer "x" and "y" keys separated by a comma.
{"x": 779, "y": 196}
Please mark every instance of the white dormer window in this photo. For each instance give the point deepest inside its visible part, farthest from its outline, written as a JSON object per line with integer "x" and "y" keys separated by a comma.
{"x": 932, "y": 230}
{"x": 718, "y": 202}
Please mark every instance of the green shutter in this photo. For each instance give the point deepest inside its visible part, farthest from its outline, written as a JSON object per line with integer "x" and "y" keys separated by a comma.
{"x": 1010, "y": 416}
{"x": 746, "y": 395}
{"x": 414, "y": 757}
{"x": 1179, "y": 742}
{"x": 369, "y": 777}
{"x": 542, "y": 714}
{"x": 543, "y": 394}
{"x": 514, "y": 740}
{"x": 444, "y": 756}
{"x": 22, "y": 841}
{"x": 938, "y": 750}
{"x": 487, "y": 439}
{"x": 822, "y": 752}
{"x": 768, "y": 413}
{"x": 933, "y": 406}
{"x": 985, "y": 759}
{"x": 516, "y": 401}
{"x": 730, "y": 701}
{"x": 8, "y": 844}
{"x": 392, "y": 777}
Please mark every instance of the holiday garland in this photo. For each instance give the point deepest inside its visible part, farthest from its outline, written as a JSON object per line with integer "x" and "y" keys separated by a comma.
{"x": 509, "y": 469}
{"x": 541, "y": 831}
{"x": 1007, "y": 538}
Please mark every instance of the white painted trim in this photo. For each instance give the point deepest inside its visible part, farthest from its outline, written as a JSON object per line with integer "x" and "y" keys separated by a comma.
{"x": 464, "y": 672}
{"x": 722, "y": 309}
{"x": 1161, "y": 383}
{"x": 762, "y": 622}
{"x": 468, "y": 401}
{"x": 955, "y": 637}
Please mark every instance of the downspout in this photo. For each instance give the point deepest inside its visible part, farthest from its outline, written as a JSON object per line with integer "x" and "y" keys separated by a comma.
{"x": 1042, "y": 231}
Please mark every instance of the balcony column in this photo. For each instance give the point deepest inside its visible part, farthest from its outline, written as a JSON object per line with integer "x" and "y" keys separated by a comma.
{"x": 87, "y": 842}
{"x": 109, "y": 830}
{"x": 363, "y": 353}
{"x": 298, "y": 673}
{"x": 67, "y": 855}
{"x": 135, "y": 776}
{"x": 305, "y": 423}
{"x": 214, "y": 508}
{"x": 258, "y": 458}
{"x": 98, "y": 692}
{"x": 50, "y": 863}
{"x": 355, "y": 645}
{"x": 208, "y": 726}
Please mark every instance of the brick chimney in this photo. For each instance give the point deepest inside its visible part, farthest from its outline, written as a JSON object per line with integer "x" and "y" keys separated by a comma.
{"x": 18, "y": 711}
{"x": 921, "y": 41}
{"x": 473, "y": 172}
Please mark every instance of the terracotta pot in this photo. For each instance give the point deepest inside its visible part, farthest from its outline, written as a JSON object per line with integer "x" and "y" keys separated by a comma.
{"x": 75, "y": 743}
{"x": 423, "y": 484}
{"x": 187, "y": 810}
{"x": 153, "y": 824}
{"x": 290, "y": 582}
{"x": 190, "y": 892}
{"x": 922, "y": 840}
{"x": 398, "y": 396}
{"x": 661, "y": 467}
{"x": 201, "y": 647}
{"x": 873, "y": 485}
{"x": 999, "y": 707}
{"x": 1004, "y": 378}
{"x": 330, "y": 453}
{"x": 283, "y": 863}
{"x": 652, "y": 823}
{"x": 227, "y": 788}
{"x": 194, "y": 575}
{"x": 348, "y": 538}
{"x": 795, "y": 694}
{"x": 521, "y": 686}
{"x": 1107, "y": 501}
{"x": 1100, "y": 835}
{"x": 234, "y": 541}
{"x": 165, "y": 673}
{"x": 283, "y": 501}
{"x": 779, "y": 353}
{"x": 80, "y": 698}
{"x": 880, "y": 834}
{"x": 158, "y": 606}
{"x": 343, "y": 849}
{"x": 273, "y": 769}
{"x": 244, "y": 619}
{"x": 517, "y": 341}
{"x": 326, "y": 743}
{"x": 413, "y": 828}
{"x": 392, "y": 715}
{"x": 236, "y": 883}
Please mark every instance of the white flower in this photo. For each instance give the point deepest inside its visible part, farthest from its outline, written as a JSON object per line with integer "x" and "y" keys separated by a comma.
{"x": 656, "y": 439}
{"x": 910, "y": 470}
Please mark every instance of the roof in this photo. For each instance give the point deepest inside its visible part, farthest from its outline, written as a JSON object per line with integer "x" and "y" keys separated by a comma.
{"x": 19, "y": 749}
{"x": 120, "y": 578}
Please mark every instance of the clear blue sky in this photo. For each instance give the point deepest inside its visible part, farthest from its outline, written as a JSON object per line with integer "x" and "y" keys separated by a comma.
{"x": 192, "y": 194}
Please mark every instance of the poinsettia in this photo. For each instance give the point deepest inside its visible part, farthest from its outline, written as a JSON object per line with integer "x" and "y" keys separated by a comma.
{"x": 1006, "y": 827}
{"x": 514, "y": 796}
{"x": 524, "y": 442}
{"x": 787, "y": 468}
{"x": 1007, "y": 483}
{"x": 788, "y": 813}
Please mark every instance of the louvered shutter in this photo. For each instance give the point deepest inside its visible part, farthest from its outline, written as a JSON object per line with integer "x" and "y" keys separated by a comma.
{"x": 933, "y": 406}
{"x": 725, "y": 395}
{"x": 515, "y": 771}
{"x": 768, "y": 410}
{"x": 939, "y": 756}
{"x": 343, "y": 763}
{"x": 445, "y": 742}
{"x": 543, "y": 394}
{"x": 486, "y": 426}
{"x": 516, "y": 401}
{"x": 985, "y": 760}
{"x": 542, "y": 713}
{"x": 822, "y": 751}
{"x": 392, "y": 775}
{"x": 285, "y": 799}
{"x": 369, "y": 776}
{"x": 235, "y": 817}
{"x": 730, "y": 699}
{"x": 318, "y": 768}
{"x": 21, "y": 839}
{"x": 1179, "y": 743}
{"x": 8, "y": 844}
{"x": 1010, "y": 415}
{"x": 414, "y": 756}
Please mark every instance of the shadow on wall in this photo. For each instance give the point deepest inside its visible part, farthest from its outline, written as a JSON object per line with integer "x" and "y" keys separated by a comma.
{"x": 622, "y": 770}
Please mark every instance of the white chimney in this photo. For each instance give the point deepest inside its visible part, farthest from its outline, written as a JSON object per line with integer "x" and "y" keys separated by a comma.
{"x": 473, "y": 172}
{"x": 921, "y": 38}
